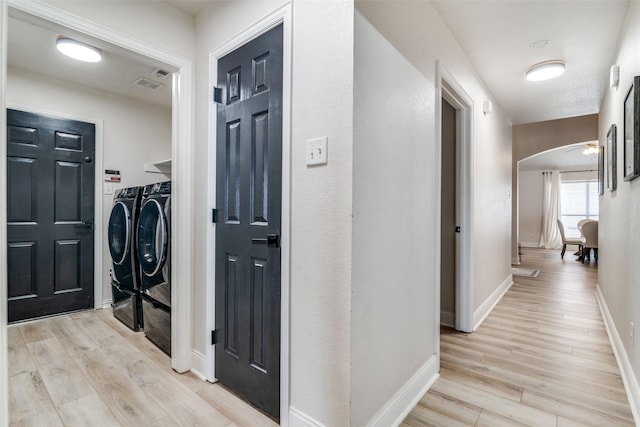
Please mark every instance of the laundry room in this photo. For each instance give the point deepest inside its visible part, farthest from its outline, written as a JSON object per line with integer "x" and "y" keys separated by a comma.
{"x": 129, "y": 101}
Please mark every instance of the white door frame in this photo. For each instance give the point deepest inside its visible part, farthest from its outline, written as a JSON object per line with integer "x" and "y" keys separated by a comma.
{"x": 448, "y": 88}
{"x": 280, "y": 16}
{"x": 98, "y": 189}
{"x": 182, "y": 172}
{"x": 4, "y": 381}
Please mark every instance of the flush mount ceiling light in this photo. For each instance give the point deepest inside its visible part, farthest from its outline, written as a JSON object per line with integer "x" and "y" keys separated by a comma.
{"x": 78, "y": 50}
{"x": 545, "y": 70}
{"x": 590, "y": 149}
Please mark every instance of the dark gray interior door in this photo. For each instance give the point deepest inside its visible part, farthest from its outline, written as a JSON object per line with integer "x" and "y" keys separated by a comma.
{"x": 50, "y": 213}
{"x": 248, "y": 198}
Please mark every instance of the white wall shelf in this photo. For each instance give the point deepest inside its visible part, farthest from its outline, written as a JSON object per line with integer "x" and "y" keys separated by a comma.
{"x": 163, "y": 166}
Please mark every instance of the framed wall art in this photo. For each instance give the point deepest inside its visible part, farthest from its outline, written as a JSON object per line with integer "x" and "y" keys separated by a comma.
{"x": 601, "y": 171}
{"x": 632, "y": 131}
{"x": 611, "y": 155}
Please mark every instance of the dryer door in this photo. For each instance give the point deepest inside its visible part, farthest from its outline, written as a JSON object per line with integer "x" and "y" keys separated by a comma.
{"x": 119, "y": 234}
{"x": 152, "y": 237}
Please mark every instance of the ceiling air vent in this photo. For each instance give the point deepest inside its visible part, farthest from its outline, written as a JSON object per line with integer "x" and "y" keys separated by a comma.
{"x": 148, "y": 83}
{"x": 160, "y": 73}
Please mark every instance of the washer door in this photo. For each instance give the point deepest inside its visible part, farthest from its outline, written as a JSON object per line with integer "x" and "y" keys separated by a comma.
{"x": 119, "y": 234}
{"x": 152, "y": 237}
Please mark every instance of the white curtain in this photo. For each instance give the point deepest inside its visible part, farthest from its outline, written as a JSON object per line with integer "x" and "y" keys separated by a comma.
{"x": 550, "y": 236}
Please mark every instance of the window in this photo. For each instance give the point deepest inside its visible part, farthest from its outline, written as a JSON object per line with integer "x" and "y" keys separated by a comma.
{"x": 578, "y": 200}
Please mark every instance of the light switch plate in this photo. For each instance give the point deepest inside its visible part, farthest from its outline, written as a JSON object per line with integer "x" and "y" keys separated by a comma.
{"x": 317, "y": 151}
{"x": 108, "y": 188}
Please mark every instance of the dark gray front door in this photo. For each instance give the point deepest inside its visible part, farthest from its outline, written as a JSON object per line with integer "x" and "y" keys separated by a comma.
{"x": 50, "y": 212}
{"x": 248, "y": 198}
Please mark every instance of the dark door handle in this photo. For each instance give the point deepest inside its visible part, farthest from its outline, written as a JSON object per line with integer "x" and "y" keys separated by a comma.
{"x": 85, "y": 224}
{"x": 272, "y": 241}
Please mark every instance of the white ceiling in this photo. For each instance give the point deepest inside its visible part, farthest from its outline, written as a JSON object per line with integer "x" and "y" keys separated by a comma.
{"x": 569, "y": 157}
{"x": 31, "y": 46}
{"x": 497, "y": 36}
{"x": 192, "y": 7}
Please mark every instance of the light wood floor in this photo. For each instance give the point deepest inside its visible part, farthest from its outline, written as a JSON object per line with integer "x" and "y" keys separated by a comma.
{"x": 87, "y": 369}
{"x": 541, "y": 358}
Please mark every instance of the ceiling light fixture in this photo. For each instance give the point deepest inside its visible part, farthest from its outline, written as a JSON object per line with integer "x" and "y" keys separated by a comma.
{"x": 545, "y": 70}
{"x": 590, "y": 149}
{"x": 78, "y": 50}
{"x": 540, "y": 44}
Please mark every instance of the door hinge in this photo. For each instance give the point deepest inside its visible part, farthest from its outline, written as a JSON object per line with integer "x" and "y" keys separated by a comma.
{"x": 214, "y": 215}
{"x": 217, "y": 95}
{"x": 214, "y": 337}
{"x": 457, "y": 229}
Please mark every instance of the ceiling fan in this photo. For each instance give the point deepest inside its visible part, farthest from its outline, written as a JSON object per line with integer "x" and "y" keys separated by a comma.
{"x": 589, "y": 148}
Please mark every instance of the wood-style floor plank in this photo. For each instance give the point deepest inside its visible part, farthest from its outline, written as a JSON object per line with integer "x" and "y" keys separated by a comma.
{"x": 542, "y": 357}
{"x": 88, "y": 369}
{"x": 89, "y": 411}
{"x": 64, "y": 380}
{"x": 30, "y": 403}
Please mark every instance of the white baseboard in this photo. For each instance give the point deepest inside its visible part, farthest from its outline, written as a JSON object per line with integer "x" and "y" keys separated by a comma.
{"x": 626, "y": 370}
{"x": 396, "y": 410}
{"x": 448, "y": 318}
{"x": 485, "y": 308}
{"x": 199, "y": 365}
{"x": 529, "y": 245}
{"x": 300, "y": 419}
{"x": 106, "y": 303}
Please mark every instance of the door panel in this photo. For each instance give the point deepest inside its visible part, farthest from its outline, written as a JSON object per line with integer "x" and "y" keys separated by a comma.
{"x": 248, "y": 188}
{"x": 50, "y": 210}
{"x": 448, "y": 215}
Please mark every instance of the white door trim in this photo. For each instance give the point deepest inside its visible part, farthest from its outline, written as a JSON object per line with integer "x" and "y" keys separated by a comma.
{"x": 280, "y": 16}
{"x": 448, "y": 88}
{"x": 98, "y": 301}
{"x": 4, "y": 368}
{"x": 182, "y": 173}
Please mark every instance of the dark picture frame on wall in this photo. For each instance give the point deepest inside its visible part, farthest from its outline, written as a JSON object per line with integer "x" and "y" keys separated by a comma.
{"x": 632, "y": 131}
{"x": 601, "y": 171}
{"x": 611, "y": 153}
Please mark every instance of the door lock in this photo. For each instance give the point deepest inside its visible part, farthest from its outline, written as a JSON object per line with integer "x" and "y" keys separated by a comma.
{"x": 272, "y": 241}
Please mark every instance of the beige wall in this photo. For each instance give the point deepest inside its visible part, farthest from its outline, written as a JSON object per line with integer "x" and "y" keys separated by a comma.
{"x": 619, "y": 229}
{"x": 533, "y": 138}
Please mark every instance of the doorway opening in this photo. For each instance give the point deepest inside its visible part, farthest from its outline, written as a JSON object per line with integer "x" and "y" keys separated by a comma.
{"x": 456, "y": 192}
{"x": 179, "y": 135}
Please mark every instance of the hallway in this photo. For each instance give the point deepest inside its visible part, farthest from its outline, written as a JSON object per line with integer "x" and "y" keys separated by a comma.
{"x": 541, "y": 358}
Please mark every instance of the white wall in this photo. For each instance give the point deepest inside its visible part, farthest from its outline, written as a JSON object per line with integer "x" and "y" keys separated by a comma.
{"x": 393, "y": 316}
{"x": 134, "y": 133}
{"x": 530, "y": 213}
{"x": 619, "y": 229}
{"x": 395, "y": 148}
{"x": 321, "y": 210}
